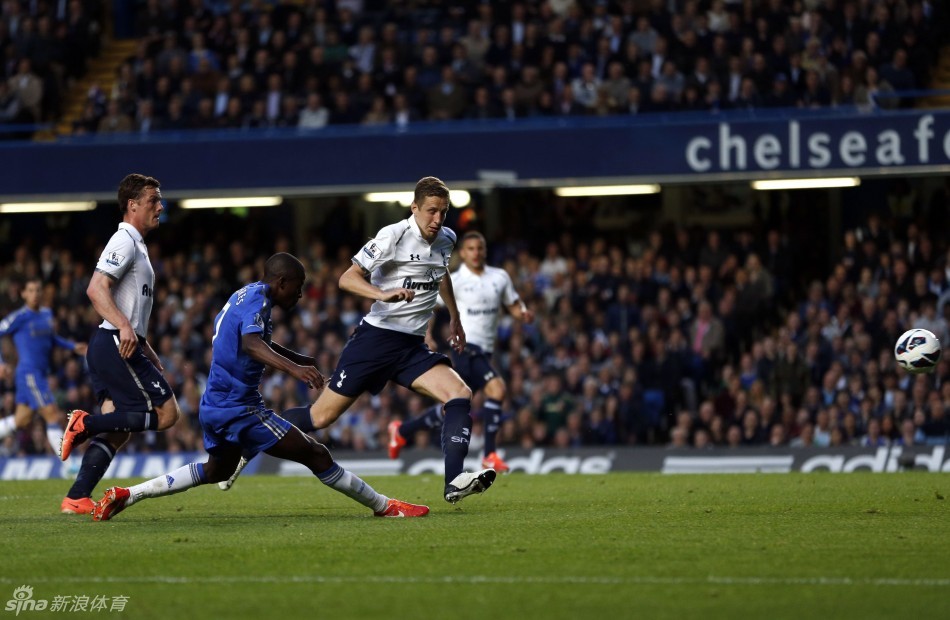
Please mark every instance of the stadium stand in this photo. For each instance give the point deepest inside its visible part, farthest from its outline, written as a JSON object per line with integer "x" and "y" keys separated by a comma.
{"x": 204, "y": 64}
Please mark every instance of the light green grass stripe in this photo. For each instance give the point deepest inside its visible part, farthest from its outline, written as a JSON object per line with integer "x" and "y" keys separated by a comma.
{"x": 476, "y": 579}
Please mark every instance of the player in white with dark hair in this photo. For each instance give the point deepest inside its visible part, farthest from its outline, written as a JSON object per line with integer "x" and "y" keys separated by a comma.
{"x": 480, "y": 291}
{"x": 405, "y": 268}
{"x": 125, "y": 372}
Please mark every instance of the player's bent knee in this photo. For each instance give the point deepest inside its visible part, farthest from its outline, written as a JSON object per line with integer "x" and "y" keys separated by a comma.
{"x": 321, "y": 417}
{"x": 462, "y": 391}
{"x": 496, "y": 389}
{"x": 168, "y": 416}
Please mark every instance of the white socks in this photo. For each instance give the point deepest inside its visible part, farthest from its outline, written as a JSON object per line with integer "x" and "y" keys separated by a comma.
{"x": 54, "y": 435}
{"x": 182, "y": 479}
{"x": 353, "y": 487}
{"x": 7, "y": 426}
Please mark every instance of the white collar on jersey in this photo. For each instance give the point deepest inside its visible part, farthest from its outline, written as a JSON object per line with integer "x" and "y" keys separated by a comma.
{"x": 132, "y": 231}
{"x": 467, "y": 270}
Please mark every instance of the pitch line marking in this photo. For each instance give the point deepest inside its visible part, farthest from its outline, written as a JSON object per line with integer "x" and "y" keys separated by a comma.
{"x": 479, "y": 579}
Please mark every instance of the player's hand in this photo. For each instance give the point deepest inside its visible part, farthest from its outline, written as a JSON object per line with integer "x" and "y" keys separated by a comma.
{"x": 128, "y": 341}
{"x": 527, "y": 316}
{"x": 4, "y": 372}
{"x": 456, "y": 336}
{"x": 432, "y": 344}
{"x": 397, "y": 294}
{"x": 309, "y": 375}
{"x": 80, "y": 348}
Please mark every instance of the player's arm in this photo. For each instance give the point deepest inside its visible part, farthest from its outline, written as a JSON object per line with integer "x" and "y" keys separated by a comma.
{"x": 99, "y": 292}
{"x": 456, "y": 333}
{"x": 355, "y": 280}
{"x": 521, "y": 311}
{"x": 293, "y": 356}
{"x": 7, "y": 326}
{"x": 152, "y": 355}
{"x": 77, "y": 347}
{"x": 264, "y": 353}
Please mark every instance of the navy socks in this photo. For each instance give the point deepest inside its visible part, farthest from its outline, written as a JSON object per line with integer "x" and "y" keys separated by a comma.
{"x": 491, "y": 416}
{"x": 95, "y": 462}
{"x": 456, "y": 434}
{"x": 135, "y": 422}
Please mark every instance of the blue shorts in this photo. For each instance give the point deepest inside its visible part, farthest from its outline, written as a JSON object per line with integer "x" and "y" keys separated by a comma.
{"x": 372, "y": 356}
{"x": 474, "y": 366}
{"x": 254, "y": 428}
{"x": 133, "y": 384}
{"x": 32, "y": 390}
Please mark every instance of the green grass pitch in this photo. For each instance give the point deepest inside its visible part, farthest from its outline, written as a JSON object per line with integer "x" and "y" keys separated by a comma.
{"x": 808, "y": 546}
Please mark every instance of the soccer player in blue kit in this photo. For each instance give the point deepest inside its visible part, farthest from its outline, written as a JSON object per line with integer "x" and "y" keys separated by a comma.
{"x": 403, "y": 269}
{"x": 232, "y": 411}
{"x": 34, "y": 336}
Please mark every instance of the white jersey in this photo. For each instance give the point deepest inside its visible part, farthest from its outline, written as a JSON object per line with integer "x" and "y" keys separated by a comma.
{"x": 399, "y": 257}
{"x": 480, "y": 298}
{"x": 125, "y": 260}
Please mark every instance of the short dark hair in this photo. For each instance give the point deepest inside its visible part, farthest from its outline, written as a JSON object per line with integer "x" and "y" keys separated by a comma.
{"x": 131, "y": 188}
{"x": 430, "y": 186}
{"x": 473, "y": 234}
{"x": 283, "y": 265}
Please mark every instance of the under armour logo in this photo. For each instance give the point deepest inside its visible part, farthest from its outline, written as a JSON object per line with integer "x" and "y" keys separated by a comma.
{"x": 158, "y": 386}
{"x": 415, "y": 257}
{"x": 339, "y": 383}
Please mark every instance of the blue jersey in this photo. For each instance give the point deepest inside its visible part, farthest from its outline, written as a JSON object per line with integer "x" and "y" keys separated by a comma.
{"x": 235, "y": 377}
{"x": 34, "y": 338}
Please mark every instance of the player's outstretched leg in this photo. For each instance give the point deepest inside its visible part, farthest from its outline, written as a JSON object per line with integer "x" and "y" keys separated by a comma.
{"x": 456, "y": 433}
{"x": 217, "y": 467}
{"x": 95, "y": 462}
{"x": 303, "y": 449}
{"x": 491, "y": 416}
{"x": 298, "y": 416}
{"x": 400, "y": 432}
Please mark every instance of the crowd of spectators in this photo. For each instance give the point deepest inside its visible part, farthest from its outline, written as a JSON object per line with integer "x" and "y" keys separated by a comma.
{"x": 208, "y": 64}
{"x": 691, "y": 337}
{"x": 44, "y": 47}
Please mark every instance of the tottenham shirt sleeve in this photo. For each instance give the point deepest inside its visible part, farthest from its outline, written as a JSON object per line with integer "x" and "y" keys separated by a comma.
{"x": 377, "y": 251}
{"x": 509, "y": 294}
{"x": 118, "y": 256}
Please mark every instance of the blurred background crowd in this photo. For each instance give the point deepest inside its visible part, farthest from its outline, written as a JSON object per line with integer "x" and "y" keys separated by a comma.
{"x": 691, "y": 337}
{"x": 203, "y": 64}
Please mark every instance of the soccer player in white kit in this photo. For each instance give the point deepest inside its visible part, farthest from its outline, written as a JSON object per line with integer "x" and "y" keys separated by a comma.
{"x": 125, "y": 372}
{"x": 405, "y": 268}
{"x": 480, "y": 291}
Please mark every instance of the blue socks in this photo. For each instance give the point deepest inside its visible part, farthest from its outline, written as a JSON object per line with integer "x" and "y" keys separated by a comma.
{"x": 299, "y": 417}
{"x": 432, "y": 418}
{"x": 135, "y": 422}
{"x": 95, "y": 462}
{"x": 491, "y": 416}
{"x": 456, "y": 434}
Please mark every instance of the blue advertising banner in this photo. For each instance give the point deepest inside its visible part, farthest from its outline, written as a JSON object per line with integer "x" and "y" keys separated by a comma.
{"x": 681, "y": 148}
{"x": 537, "y": 461}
